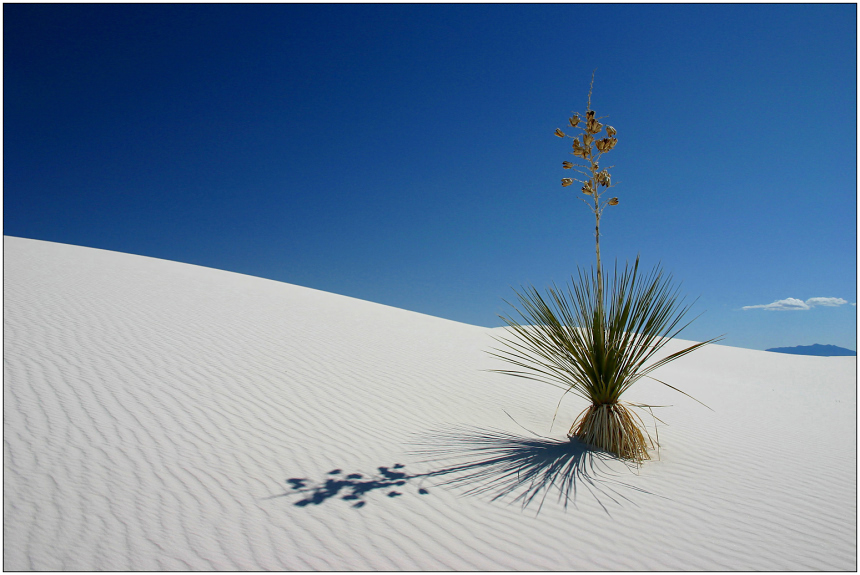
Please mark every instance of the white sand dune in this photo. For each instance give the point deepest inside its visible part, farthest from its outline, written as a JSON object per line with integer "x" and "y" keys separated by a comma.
{"x": 154, "y": 412}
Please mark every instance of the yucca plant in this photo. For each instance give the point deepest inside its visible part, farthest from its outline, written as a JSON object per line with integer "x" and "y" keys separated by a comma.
{"x": 591, "y": 341}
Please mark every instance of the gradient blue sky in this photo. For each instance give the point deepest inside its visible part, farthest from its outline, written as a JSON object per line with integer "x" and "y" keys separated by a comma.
{"x": 404, "y": 154}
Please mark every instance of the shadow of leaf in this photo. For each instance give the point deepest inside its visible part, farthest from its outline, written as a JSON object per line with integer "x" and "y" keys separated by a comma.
{"x": 503, "y": 464}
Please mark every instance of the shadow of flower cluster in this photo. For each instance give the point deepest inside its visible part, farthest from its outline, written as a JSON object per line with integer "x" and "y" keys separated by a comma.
{"x": 354, "y": 486}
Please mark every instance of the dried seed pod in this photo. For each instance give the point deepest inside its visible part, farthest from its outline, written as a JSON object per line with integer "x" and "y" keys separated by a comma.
{"x": 565, "y": 182}
{"x": 578, "y": 150}
{"x": 566, "y": 165}
{"x": 588, "y": 139}
{"x": 587, "y": 189}
{"x": 593, "y": 126}
{"x": 574, "y": 121}
{"x": 606, "y": 144}
{"x": 590, "y": 114}
{"x": 603, "y": 178}
{"x": 613, "y": 202}
{"x": 559, "y": 133}
{"x": 610, "y": 131}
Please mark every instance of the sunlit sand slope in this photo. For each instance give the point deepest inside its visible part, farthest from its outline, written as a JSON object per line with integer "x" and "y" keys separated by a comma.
{"x": 159, "y": 415}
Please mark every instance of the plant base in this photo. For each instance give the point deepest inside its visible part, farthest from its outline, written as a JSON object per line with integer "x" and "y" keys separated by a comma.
{"x": 612, "y": 427}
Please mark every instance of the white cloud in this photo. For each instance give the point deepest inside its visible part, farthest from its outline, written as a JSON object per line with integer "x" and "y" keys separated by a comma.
{"x": 794, "y": 304}
{"x": 781, "y": 305}
{"x": 826, "y": 301}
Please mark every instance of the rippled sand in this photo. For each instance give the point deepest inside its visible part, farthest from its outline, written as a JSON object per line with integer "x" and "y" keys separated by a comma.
{"x": 164, "y": 416}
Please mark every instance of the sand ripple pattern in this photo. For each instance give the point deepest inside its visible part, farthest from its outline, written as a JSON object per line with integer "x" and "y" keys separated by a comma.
{"x": 154, "y": 412}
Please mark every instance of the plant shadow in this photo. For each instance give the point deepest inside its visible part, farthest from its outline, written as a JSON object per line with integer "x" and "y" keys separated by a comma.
{"x": 483, "y": 462}
{"x": 501, "y": 464}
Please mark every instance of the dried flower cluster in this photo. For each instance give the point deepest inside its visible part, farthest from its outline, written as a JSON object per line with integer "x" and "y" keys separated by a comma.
{"x": 590, "y": 149}
{"x": 585, "y": 150}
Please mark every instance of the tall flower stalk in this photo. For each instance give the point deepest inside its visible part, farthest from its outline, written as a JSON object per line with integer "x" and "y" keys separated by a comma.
{"x": 590, "y": 340}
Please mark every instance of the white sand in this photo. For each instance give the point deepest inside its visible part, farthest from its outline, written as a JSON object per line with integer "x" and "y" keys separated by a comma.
{"x": 154, "y": 411}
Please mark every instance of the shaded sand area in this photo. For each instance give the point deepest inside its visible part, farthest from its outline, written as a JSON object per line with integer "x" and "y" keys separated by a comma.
{"x": 159, "y": 415}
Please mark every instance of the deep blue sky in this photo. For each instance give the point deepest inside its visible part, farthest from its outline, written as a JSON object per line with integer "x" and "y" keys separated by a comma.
{"x": 404, "y": 154}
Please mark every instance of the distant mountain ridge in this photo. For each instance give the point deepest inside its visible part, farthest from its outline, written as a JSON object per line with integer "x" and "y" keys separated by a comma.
{"x": 814, "y": 349}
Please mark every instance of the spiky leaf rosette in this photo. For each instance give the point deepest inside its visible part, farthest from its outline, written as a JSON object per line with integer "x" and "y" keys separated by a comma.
{"x": 598, "y": 349}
